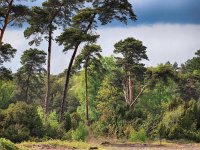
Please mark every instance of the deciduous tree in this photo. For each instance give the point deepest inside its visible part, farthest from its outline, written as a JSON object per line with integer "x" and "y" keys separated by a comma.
{"x": 89, "y": 55}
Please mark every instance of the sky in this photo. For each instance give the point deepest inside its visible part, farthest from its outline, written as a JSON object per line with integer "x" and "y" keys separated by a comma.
{"x": 170, "y": 29}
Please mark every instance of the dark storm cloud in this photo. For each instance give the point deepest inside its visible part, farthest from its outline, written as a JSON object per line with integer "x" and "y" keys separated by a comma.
{"x": 167, "y": 11}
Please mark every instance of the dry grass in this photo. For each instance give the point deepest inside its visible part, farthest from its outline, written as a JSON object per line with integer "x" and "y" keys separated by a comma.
{"x": 113, "y": 145}
{"x": 54, "y": 144}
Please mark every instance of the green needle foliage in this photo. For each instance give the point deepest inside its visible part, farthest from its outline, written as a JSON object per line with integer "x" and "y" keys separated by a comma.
{"x": 29, "y": 77}
{"x": 6, "y": 53}
{"x": 12, "y": 13}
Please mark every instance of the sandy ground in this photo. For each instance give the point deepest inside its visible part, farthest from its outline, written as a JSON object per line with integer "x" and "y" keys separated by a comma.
{"x": 155, "y": 147}
{"x": 128, "y": 147}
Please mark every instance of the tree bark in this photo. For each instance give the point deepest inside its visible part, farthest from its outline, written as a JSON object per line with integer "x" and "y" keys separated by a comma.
{"x": 86, "y": 96}
{"x": 5, "y": 21}
{"x": 46, "y": 105}
{"x": 130, "y": 88}
{"x": 67, "y": 83}
{"x": 27, "y": 87}
{"x": 69, "y": 71}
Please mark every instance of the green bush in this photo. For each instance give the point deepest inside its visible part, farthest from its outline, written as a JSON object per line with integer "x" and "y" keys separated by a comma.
{"x": 19, "y": 122}
{"x": 7, "y": 91}
{"x": 52, "y": 128}
{"x": 142, "y": 135}
{"x": 135, "y": 136}
{"x": 68, "y": 135}
{"x": 75, "y": 119}
{"x": 67, "y": 122}
{"x": 7, "y": 145}
{"x": 17, "y": 133}
{"x": 98, "y": 129}
{"x": 80, "y": 133}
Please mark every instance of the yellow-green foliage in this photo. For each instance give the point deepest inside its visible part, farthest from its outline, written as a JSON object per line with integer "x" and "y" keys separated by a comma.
{"x": 80, "y": 133}
{"x": 138, "y": 136}
{"x": 20, "y": 122}
{"x": 52, "y": 128}
{"x": 7, "y": 145}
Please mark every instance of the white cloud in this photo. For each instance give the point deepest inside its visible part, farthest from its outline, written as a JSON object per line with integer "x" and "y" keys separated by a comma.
{"x": 163, "y": 41}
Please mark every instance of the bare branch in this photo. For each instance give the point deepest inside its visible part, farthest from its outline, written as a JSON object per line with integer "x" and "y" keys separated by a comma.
{"x": 141, "y": 92}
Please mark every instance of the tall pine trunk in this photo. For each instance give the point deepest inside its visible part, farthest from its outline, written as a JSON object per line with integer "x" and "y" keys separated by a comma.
{"x": 27, "y": 88}
{"x": 86, "y": 96}
{"x": 129, "y": 87}
{"x": 46, "y": 105}
{"x": 67, "y": 83}
{"x": 69, "y": 71}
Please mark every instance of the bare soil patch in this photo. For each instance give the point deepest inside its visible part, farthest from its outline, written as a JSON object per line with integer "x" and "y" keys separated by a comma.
{"x": 110, "y": 146}
{"x": 153, "y": 147}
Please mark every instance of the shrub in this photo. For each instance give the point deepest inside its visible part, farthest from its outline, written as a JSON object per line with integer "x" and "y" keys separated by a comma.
{"x": 133, "y": 135}
{"x": 17, "y": 133}
{"x": 141, "y": 135}
{"x": 80, "y": 133}
{"x": 75, "y": 119}
{"x": 127, "y": 130}
{"x": 67, "y": 122}
{"x": 7, "y": 91}
{"x": 52, "y": 129}
{"x": 98, "y": 129}
{"x": 67, "y": 135}
{"x": 7, "y": 145}
{"x": 19, "y": 122}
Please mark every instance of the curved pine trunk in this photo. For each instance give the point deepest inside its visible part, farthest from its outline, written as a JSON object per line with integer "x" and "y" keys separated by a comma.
{"x": 69, "y": 71}
{"x": 67, "y": 83}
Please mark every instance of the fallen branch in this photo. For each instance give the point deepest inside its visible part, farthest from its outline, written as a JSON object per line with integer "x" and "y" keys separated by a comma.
{"x": 141, "y": 92}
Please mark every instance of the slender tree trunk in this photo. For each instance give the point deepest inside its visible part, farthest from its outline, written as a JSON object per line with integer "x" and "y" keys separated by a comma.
{"x": 5, "y": 21}
{"x": 86, "y": 96}
{"x": 67, "y": 83}
{"x": 46, "y": 105}
{"x": 27, "y": 88}
{"x": 69, "y": 71}
{"x": 130, "y": 88}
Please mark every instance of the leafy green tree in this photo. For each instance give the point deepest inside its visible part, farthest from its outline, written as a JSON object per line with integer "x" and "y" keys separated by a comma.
{"x": 7, "y": 91}
{"x": 57, "y": 91}
{"x": 29, "y": 76}
{"x": 161, "y": 91}
{"x": 12, "y": 13}
{"x": 133, "y": 52}
{"x": 95, "y": 76}
{"x": 89, "y": 55}
{"x": 111, "y": 107}
{"x": 85, "y": 22}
